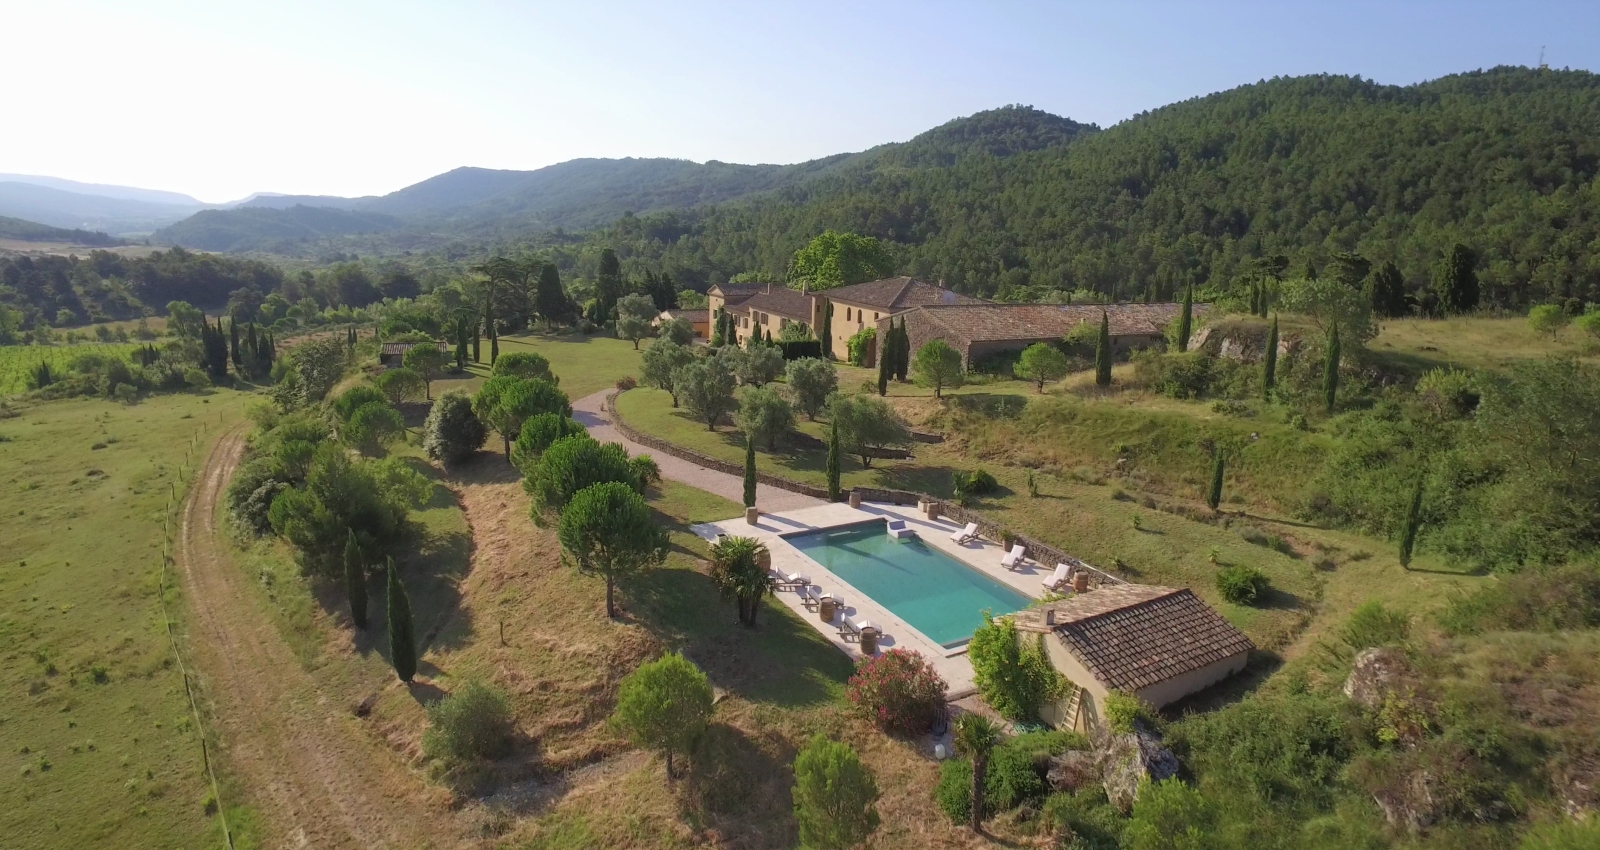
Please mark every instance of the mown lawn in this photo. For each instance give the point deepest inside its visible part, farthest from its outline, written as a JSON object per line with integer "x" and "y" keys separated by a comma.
{"x": 584, "y": 363}
{"x": 96, "y": 731}
{"x": 1476, "y": 343}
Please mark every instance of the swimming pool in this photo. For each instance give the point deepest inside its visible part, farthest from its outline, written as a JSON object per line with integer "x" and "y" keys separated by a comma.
{"x": 933, "y": 592}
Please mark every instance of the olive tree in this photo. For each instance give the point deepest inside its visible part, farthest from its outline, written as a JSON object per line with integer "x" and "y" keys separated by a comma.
{"x": 677, "y": 331}
{"x": 634, "y": 314}
{"x": 811, "y": 380}
{"x": 758, "y": 365}
{"x": 706, "y": 388}
{"x": 663, "y": 358}
{"x": 764, "y": 415}
{"x": 606, "y": 528}
{"x": 866, "y": 423}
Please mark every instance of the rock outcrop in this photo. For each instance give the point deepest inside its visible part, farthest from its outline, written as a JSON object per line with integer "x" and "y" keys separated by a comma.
{"x": 1379, "y": 672}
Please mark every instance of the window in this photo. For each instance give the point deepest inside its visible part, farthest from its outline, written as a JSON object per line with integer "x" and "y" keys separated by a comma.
{"x": 847, "y": 314}
{"x": 874, "y": 317}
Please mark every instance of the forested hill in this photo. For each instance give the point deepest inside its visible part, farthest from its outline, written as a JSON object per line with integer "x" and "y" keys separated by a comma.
{"x": 1502, "y": 160}
{"x": 588, "y": 193}
{"x": 30, "y": 231}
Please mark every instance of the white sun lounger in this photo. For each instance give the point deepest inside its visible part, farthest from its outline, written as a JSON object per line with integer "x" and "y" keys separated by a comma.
{"x": 793, "y": 581}
{"x": 848, "y": 629}
{"x": 965, "y": 534}
{"x": 1061, "y": 576}
{"x": 811, "y": 600}
{"x": 899, "y": 531}
{"x": 1014, "y": 558}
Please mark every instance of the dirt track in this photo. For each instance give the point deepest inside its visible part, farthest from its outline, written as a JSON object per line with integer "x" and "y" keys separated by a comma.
{"x": 314, "y": 775}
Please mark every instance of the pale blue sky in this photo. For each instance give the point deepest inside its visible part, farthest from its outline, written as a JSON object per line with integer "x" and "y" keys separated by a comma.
{"x": 220, "y": 99}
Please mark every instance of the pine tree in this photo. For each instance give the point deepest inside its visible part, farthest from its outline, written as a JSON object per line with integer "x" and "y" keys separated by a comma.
{"x": 402, "y": 643}
{"x": 1186, "y": 318}
{"x": 750, "y": 470}
{"x": 355, "y": 582}
{"x": 1330, "y": 370}
{"x": 1102, "y": 353}
{"x": 1214, "y": 495}
{"x": 1456, "y": 281}
{"x": 1389, "y": 291}
{"x": 1408, "y": 537}
{"x": 833, "y": 462}
{"x": 1269, "y": 361}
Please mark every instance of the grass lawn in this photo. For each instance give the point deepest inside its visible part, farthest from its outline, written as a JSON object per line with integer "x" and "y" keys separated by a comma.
{"x": 17, "y": 362}
{"x": 1476, "y": 343}
{"x": 584, "y": 363}
{"x": 96, "y": 729}
{"x": 1084, "y": 507}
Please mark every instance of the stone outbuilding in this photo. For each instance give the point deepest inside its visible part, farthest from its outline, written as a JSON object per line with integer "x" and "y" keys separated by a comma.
{"x": 1158, "y": 643}
{"x": 982, "y": 330}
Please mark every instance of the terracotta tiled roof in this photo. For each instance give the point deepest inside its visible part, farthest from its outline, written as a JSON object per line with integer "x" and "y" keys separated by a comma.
{"x": 997, "y": 322}
{"x": 693, "y": 317}
{"x": 781, "y": 301}
{"x": 733, "y": 293}
{"x": 1133, "y": 636}
{"x": 403, "y": 347}
{"x": 898, "y": 293}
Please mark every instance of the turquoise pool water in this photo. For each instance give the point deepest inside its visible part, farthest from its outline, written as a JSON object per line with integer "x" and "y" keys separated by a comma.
{"x": 938, "y": 595}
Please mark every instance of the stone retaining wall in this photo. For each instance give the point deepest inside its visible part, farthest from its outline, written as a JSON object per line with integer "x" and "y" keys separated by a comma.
{"x": 1046, "y": 555}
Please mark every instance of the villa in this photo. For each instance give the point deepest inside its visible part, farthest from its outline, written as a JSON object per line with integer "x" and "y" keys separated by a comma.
{"x": 879, "y": 576}
{"x": 699, "y": 320}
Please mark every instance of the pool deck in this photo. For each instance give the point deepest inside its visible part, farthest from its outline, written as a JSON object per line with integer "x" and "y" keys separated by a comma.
{"x": 982, "y": 555}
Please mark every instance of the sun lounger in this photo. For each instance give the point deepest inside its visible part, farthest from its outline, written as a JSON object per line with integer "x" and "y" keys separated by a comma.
{"x": 899, "y": 531}
{"x": 792, "y": 581}
{"x": 1014, "y": 558}
{"x": 965, "y": 534}
{"x": 809, "y": 599}
{"x": 1061, "y": 576}
{"x": 848, "y": 629}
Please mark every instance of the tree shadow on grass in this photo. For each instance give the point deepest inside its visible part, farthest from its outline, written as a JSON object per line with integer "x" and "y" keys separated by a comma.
{"x": 741, "y": 785}
{"x": 782, "y": 660}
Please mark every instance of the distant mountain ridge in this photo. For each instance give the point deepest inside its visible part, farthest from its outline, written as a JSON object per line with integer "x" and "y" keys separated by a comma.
{"x": 105, "y": 190}
{"x": 30, "y": 231}
{"x": 583, "y": 194}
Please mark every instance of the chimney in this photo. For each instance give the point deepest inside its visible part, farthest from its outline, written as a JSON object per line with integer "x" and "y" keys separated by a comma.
{"x": 804, "y": 286}
{"x": 769, "y": 287}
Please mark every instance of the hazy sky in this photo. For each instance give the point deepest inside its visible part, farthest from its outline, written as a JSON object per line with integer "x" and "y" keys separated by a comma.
{"x": 220, "y": 99}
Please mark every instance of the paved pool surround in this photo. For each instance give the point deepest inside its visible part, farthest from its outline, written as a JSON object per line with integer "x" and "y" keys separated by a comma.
{"x": 981, "y": 555}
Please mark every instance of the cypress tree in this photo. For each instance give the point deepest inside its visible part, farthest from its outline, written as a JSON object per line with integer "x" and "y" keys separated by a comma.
{"x": 494, "y": 344}
{"x": 1186, "y": 318}
{"x": 477, "y": 343}
{"x": 902, "y": 364}
{"x": 1214, "y": 495}
{"x": 885, "y": 355}
{"x": 461, "y": 344}
{"x": 833, "y": 462}
{"x": 717, "y": 336}
{"x": 355, "y": 582}
{"x": 1102, "y": 353}
{"x": 402, "y": 643}
{"x": 750, "y": 471}
{"x": 1330, "y": 370}
{"x": 1408, "y": 537}
{"x": 827, "y": 332}
{"x": 235, "y": 353}
{"x": 350, "y": 338}
{"x": 1269, "y": 361}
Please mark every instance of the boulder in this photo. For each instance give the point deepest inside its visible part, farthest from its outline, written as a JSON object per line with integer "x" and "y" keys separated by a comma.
{"x": 1072, "y": 770}
{"x": 1413, "y": 803}
{"x": 1125, "y": 760}
{"x": 1379, "y": 672}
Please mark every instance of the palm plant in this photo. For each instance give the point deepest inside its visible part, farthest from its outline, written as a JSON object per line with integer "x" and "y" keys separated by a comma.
{"x": 975, "y": 736}
{"x": 738, "y": 567}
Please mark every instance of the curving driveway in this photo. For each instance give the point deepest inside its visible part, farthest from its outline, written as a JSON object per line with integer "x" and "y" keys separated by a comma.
{"x": 590, "y": 412}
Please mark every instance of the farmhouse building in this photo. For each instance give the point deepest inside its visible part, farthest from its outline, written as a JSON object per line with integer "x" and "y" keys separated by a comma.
{"x": 864, "y": 305}
{"x": 699, "y": 320}
{"x": 394, "y": 353}
{"x": 982, "y": 329}
{"x": 1157, "y": 643}
{"x": 775, "y": 308}
{"x": 723, "y": 296}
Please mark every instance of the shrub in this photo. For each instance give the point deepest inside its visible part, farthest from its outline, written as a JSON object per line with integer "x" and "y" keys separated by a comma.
{"x": 1094, "y": 823}
{"x": 645, "y": 470}
{"x": 353, "y": 399}
{"x": 975, "y": 483}
{"x": 858, "y": 344}
{"x": 1372, "y": 624}
{"x": 1448, "y": 393}
{"x": 1012, "y": 779}
{"x": 452, "y": 431}
{"x": 1170, "y": 815}
{"x": 472, "y": 722}
{"x": 899, "y": 690}
{"x": 953, "y": 794}
{"x": 834, "y": 796}
{"x": 1241, "y": 584}
{"x": 1014, "y": 679}
{"x": 626, "y": 382}
{"x": 1182, "y": 376}
{"x": 1122, "y": 710}
{"x": 1537, "y": 599}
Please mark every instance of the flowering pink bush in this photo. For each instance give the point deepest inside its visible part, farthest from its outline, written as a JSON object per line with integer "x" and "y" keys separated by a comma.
{"x": 899, "y": 690}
